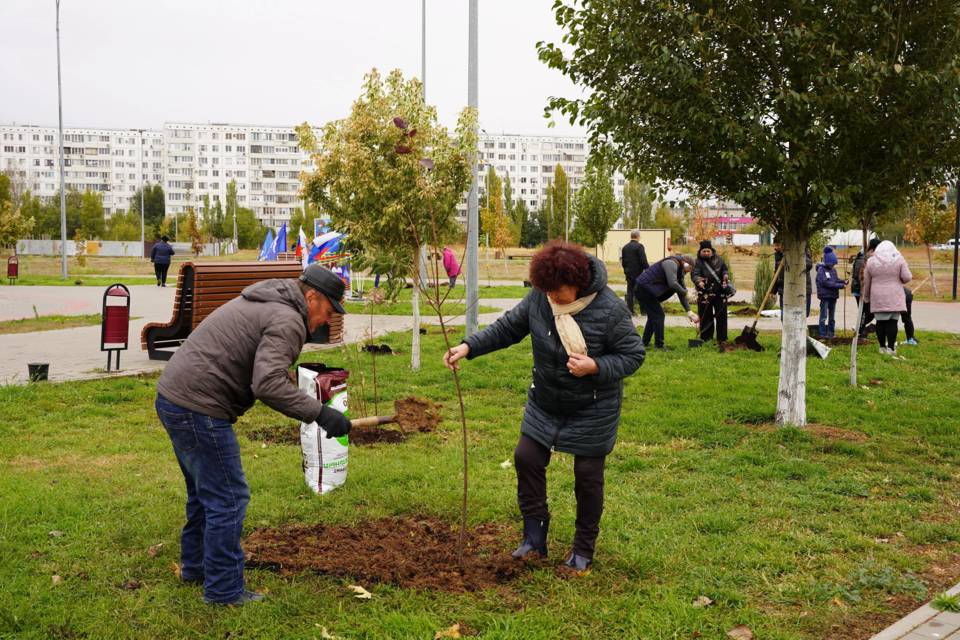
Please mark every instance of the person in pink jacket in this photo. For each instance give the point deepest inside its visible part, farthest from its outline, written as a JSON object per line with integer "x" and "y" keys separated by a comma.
{"x": 451, "y": 266}
{"x": 884, "y": 276}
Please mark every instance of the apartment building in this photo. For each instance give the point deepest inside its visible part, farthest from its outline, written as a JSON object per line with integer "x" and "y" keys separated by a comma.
{"x": 112, "y": 162}
{"x": 202, "y": 159}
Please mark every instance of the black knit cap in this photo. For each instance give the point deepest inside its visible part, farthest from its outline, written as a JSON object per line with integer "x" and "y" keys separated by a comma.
{"x": 706, "y": 244}
{"x": 874, "y": 243}
{"x": 326, "y": 282}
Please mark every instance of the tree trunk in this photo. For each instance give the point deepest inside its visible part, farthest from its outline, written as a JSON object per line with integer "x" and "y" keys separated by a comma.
{"x": 933, "y": 278}
{"x": 856, "y": 330}
{"x": 792, "y": 392}
{"x": 415, "y": 299}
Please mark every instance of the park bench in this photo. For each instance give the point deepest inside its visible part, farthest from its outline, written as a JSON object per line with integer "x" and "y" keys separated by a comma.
{"x": 203, "y": 287}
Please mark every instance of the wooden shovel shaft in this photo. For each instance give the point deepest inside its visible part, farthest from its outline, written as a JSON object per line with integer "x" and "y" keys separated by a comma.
{"x": 373, "y": 421}
{"x": 773, "y": 283}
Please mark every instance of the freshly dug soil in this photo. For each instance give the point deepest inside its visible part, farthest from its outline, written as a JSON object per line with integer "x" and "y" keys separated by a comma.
{"x": 275, "y": 434}
{"x": 745, "y": 312}
{"x": 417, "y": 414}
{"x": 836, "y": 433}
{"x": 363, "y": 436}
{"x": 408, "y": 552}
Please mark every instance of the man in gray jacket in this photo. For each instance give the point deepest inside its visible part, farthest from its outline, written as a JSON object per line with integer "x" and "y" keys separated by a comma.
{"x": 240, "y": 353}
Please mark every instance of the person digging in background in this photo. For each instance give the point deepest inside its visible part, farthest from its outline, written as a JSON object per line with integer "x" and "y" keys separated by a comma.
{"x": 239, "y": 354}
{"x": 584, "y": 345}
{"x": 160, "y": 256}
{"x": 654, "y": 286}
{"x": 884, "y": 276}
{"x": 633, "y": 258}
{"x": 859, "y": 265}
{"x": 711, "y": 277}
{"x": 828, "y": 287}
{"x": 907, "y": 317}
{"x": 451, "y": 266}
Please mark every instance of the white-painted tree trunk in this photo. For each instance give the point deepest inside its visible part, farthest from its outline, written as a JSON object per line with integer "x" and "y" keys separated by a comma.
{"x": 415, "y": 300}
{"x": 792, "y": 391}
{"x": 856, "y": 331}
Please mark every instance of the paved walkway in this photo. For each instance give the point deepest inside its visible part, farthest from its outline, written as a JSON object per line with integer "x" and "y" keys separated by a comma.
{"x": 926, "y": 623}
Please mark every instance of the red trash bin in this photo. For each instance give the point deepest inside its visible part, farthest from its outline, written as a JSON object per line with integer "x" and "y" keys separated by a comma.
{"x": 13, "y": 269}
{"x": 115, "y": 322}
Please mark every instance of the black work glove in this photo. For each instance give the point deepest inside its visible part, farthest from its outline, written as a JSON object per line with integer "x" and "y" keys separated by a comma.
{"x": 333, "y": 422}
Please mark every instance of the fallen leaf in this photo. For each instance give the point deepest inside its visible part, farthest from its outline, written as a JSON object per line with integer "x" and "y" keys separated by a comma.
{"x": 154, "y": 550}
{"x": 36, "y": 554}
{"x": 132, "y": 585}
{"x": 263, "y": 445}
{"x": 326, "y": 635}
{"x": 359, "y": 592}
{"x": 55, "y": 579}
{"x": 56, "y": 534}
{"x": 506, "y": 464}
{"x": 176, "y": 569}
{"x": 449, "y": 632}
{"x": 881, "y": 540}
{"x": 702, "y": 601}
{"x": 740, "y": 632}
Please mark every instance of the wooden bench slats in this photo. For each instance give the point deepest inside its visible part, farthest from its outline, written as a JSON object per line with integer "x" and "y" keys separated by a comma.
{"x": 204, "y": 287}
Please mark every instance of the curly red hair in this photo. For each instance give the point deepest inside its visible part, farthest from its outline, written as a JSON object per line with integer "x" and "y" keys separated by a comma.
{"x": 560, "y": 263}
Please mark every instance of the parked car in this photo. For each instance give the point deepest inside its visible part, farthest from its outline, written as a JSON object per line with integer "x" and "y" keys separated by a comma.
{"x": 948, "y": 245}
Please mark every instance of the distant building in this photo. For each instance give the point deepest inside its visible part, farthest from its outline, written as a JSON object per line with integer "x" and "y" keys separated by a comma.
{"x": 112, "y": 162}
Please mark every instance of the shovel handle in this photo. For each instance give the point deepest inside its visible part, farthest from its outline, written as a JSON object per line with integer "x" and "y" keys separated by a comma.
{"x": 373, "y": 421}
{"x": 773, "y": 283}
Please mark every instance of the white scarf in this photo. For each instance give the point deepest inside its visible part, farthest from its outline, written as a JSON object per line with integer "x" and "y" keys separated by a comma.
{"x": 886, "y": 252}
{"x": 570, "y": 334}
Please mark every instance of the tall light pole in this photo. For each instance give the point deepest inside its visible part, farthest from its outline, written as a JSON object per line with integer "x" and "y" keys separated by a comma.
{"x": 473, "y": 222}
{"x": 143, "y": 249}
{"x": 956, "y": 240}
{"x": 63, "y": 192}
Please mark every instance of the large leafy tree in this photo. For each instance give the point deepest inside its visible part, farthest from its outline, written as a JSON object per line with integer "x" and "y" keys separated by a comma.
{"x": 800, "y": 111}
{"x": 558, "y": 211}
{"x": 391, "y": 177}
{"x": 154, "y": 207}
{"x": 930, "y": 222}
{"x": 595, "y": 205}
{"x": 638, "y": 200}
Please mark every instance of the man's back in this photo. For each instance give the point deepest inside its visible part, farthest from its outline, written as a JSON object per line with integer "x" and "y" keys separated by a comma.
{"x": 633, "y": 257}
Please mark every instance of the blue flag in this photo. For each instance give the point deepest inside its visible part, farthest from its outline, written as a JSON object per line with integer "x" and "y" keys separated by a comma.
{"x": 267, "y": 247}
{"x": 280, "y": 242}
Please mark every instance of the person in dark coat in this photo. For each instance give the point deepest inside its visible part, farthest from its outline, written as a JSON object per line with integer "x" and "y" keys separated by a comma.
{"x": 584, "y": 344}
{"x": 777, "y": 257}
{"x": 859, "y": 264}
{"x": 828, "y": 287}
{"x": 655, "y": 286}
{"x": 160, "y": 257}
{"x": 907, "y": 318}
{"x": 711, "y": 278}
{"x": 633, "y": 258}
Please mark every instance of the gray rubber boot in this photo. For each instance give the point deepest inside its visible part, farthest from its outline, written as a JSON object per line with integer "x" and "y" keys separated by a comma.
{"x": 577, "y": 562}
{"x": 534, "y": 537}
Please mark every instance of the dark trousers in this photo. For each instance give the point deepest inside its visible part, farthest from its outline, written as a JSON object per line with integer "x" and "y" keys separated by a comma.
{"x": 161, "y": 271}
{"x": 656, "y": 318}
{"x": 531, "y": 459}
{"x": 865, "y": 316}
{"x": 828, "y": 325}
{"x": 907, "y": 317}
{"x": 713, "y": 315}
{"x": 887, "y": 333}
{"x": 630, "y": 298}
{"x": 217, "y": 496}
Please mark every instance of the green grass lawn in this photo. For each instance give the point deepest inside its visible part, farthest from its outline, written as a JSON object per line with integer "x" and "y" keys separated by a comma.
{"x": 84, "y": 281}
{"x": 401, "y": 307}
{"x": 787, "y": 531}
{"x": 48, "y": 323}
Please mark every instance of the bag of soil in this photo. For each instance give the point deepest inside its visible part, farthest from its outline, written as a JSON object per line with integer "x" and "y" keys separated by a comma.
{"x": 324, "y": 459}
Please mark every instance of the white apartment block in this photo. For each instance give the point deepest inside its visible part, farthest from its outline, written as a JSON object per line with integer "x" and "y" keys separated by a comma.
{"x": 112, "y": 162}
{"x": 530, "y": 161}
{"x": 266, "y": 163}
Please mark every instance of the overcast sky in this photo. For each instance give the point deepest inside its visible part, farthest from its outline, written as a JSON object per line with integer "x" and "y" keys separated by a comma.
{"x": 140, "y": 63}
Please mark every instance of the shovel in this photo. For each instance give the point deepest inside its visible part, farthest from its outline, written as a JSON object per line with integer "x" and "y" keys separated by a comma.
{"x": 412, "y": 414}
{"x": 748, "y": 337}
{"x": 696, "y": 343}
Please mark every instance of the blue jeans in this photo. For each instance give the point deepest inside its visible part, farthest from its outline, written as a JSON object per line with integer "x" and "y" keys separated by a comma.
{"x": 827, "y": 324}
{"x": 217, "y": 497}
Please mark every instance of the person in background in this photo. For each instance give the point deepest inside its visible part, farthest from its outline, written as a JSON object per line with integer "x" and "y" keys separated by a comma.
{"x": 160, "y": 257}
{"x": 884, "y": 275}
{"x": 451, "y": 266}
{"x": 907, "y": 317}
{"x": 858, "y": 268}
{"x": 633, "y": 259}
{"x": 711, "y": 278}
{"x": 828, "y": 286}
{"x": 584, "y": 345}
{"x": 777, "y": 257}
{"x": 654, "y": 286}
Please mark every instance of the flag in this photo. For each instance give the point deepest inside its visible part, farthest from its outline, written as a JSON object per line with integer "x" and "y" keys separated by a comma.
{"x": 267, "y": 246}
{"x": 328, "y": 243}
{"x": 301, "y": 242}
{"x": 280, "y": 242}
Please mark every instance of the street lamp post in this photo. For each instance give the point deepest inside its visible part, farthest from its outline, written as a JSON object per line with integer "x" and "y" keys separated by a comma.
{"x": 956, "y": 240}
{"x": 143, "y": 249}
{"x": 473, "y": 227}
{"x": 63, "y": 192}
